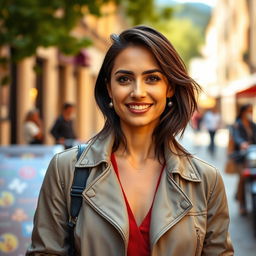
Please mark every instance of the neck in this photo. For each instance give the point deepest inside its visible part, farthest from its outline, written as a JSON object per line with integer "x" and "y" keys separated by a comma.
{"x": 140, "y": 144}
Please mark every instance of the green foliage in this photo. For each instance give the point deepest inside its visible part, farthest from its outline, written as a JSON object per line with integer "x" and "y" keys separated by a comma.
{"x": 198, "y": 13}
{"x": 184, "y": 35}
{"x": 5, "y": 80}
{"x": 145, "y": 11}
{"x": 28, "y": 24}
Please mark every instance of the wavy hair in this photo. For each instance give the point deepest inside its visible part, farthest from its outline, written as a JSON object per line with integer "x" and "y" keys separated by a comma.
{"x": 174, "y": 120}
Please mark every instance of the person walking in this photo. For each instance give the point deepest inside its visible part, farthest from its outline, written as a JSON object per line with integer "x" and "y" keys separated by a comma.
{"x": 145, "y": 195}
{"x": 244, "y": 134}
{"x": 211, "y": 121}
{"x": 63, "y": 130}
{"x": 33, "y": 131}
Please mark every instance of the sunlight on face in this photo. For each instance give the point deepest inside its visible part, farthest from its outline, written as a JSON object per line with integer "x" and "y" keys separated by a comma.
{"x": 138, "y": 88}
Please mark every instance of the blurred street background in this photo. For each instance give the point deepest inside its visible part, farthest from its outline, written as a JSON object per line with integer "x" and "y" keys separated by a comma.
{"x": 241, "y": 230}
{"x": 50, "y": 55}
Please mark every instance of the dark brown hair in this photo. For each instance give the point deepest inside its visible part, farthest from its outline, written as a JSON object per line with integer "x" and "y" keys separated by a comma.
{"x": 173, "y": 121}
{"x": 242, "y": 110}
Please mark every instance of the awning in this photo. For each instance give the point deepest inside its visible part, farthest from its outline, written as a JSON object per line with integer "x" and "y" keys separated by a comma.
{"x": 247, "y": 93}
{"x": 240, "y": 85}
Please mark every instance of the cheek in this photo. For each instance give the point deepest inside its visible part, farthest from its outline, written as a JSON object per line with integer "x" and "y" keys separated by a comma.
{"x": 119, "y": 93}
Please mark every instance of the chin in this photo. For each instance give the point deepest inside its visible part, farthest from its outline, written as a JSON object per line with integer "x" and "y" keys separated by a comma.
{"x": 140, "y": 124}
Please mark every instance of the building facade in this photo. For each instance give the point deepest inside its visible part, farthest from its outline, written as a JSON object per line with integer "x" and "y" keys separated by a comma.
{"x": 230, "y": 56}
{"x": 58, "y": 79}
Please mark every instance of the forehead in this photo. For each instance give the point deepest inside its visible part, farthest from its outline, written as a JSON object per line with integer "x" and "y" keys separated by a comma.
{"x": 135, "y": 58}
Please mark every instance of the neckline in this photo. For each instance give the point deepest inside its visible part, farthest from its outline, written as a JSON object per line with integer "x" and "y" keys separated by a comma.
{"x": 145, "y": 220}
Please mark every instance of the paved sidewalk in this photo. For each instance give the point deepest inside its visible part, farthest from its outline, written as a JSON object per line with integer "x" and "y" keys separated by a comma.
{"x": 240, "y": 227}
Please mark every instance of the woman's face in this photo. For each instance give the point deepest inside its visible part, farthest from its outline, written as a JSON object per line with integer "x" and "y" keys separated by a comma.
{"x": 138, "y": 88}
{"x": 248, "y": 113}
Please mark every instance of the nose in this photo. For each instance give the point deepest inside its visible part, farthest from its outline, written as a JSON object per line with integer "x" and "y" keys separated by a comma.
{"x": 138, "y": 90}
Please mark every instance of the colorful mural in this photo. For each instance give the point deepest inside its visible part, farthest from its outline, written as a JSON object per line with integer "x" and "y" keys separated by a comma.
{"x": 22, "y": 169}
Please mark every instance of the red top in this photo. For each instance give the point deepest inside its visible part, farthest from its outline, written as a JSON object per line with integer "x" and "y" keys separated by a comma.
{"x": 138, "y": 244}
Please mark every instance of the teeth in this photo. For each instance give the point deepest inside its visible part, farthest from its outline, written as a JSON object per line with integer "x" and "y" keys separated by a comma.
{"x": 139, "y": 107}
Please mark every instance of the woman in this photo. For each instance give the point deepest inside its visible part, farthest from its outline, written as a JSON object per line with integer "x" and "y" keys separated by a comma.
{"x": 244, "y": 134}
{"x": 146, "y": 195}
{"x": 33, "y": 128}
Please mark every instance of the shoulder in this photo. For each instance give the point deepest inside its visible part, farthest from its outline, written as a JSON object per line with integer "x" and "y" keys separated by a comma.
{"x": 253, "y": 125}
{"x": 210, "y": 176}
{"x": 62, "y": 166}
{"x": 203, "y": 168}
{"x": 59, "y": 119}
{"x": 31, "y": 126}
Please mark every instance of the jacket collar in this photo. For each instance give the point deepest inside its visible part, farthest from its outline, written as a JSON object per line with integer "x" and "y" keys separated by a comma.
{"x": 99, "y": 151}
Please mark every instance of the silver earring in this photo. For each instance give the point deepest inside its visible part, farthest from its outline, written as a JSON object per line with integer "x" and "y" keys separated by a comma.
{"x": 170, "y": 103}
{"x": 110, "y": 104}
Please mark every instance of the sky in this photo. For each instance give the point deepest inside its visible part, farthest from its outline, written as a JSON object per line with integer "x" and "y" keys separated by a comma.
{"x": 211, "y": 3}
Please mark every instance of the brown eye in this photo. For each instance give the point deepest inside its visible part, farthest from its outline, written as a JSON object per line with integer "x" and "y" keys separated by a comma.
{"x": 123, "y": 79}
{"x": 153, "y": 79}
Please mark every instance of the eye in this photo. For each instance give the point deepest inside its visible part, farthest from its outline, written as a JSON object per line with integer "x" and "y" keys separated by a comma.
{"x": 123, "y": 79}
{"x": 153, "y": 78}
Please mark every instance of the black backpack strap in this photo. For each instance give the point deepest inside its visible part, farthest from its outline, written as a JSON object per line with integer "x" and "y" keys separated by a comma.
{"x": 78, "y": 186}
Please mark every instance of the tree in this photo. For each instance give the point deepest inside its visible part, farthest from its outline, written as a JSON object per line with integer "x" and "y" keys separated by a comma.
{"x": 26, "y": 25}
{"x": 146, "y": 11}
{"x": 184, "y": 35}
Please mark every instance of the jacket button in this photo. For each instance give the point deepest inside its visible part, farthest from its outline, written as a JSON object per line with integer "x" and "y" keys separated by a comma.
{"x": 184, "y": 204}
{"x": 90, "y": 193}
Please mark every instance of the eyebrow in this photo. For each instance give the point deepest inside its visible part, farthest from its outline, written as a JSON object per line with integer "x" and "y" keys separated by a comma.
{"x": 143, "y": 73}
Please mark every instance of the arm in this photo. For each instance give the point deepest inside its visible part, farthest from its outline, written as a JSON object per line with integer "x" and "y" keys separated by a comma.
{"x": 217, "y": 240}
{"x": 50, "y": 222}
{"x": 238, "y": 138}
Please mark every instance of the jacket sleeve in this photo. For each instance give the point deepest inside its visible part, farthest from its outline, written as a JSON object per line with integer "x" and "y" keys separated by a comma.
{"x": 217, "y": 239}
{"x": 238, "y": 139}
{"x": 50, "y": 221}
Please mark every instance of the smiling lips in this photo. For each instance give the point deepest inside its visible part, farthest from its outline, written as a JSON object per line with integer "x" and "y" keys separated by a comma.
{"x": 138, "y": 108}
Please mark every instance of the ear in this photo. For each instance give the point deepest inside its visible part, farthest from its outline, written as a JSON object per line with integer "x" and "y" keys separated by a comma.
{"x": 170, "y": 92}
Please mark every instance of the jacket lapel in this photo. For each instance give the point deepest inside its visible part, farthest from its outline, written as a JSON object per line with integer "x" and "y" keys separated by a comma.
{"x": 103, "y": 192}
{"x": 171, "y": 204}
{"x": 106, "y": 197}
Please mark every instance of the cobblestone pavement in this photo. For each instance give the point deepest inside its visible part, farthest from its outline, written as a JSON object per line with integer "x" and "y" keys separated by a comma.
{"x": 240, "y": 227}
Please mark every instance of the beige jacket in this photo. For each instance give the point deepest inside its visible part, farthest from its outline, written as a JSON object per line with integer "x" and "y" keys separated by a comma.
{"x": 189, "y": 215}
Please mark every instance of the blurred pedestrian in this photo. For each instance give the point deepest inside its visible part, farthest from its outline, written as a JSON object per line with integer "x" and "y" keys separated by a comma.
{"x": 63, "y": 130}
{"x": 196, "y": 120}
{"x": 212, "y": 121}
{"x": 145, "y": 195}
{"x": 244, "y": 134}
{"x": 33, "y": 132}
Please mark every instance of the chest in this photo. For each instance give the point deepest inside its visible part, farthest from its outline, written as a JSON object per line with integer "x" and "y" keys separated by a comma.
{"x": 139, "y": 187}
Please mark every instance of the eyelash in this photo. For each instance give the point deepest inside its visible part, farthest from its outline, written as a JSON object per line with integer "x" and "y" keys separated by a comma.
{"x": 153, "y": 78}
{"x": 120, "y": 78}
{"x": 126, "y": 79}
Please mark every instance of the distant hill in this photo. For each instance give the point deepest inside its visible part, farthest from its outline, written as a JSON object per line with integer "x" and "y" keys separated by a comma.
{"x": 198, "y": 13}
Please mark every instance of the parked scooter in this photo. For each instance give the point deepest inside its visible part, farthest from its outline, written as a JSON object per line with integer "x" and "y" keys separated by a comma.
{"x": 249, "y": 173}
